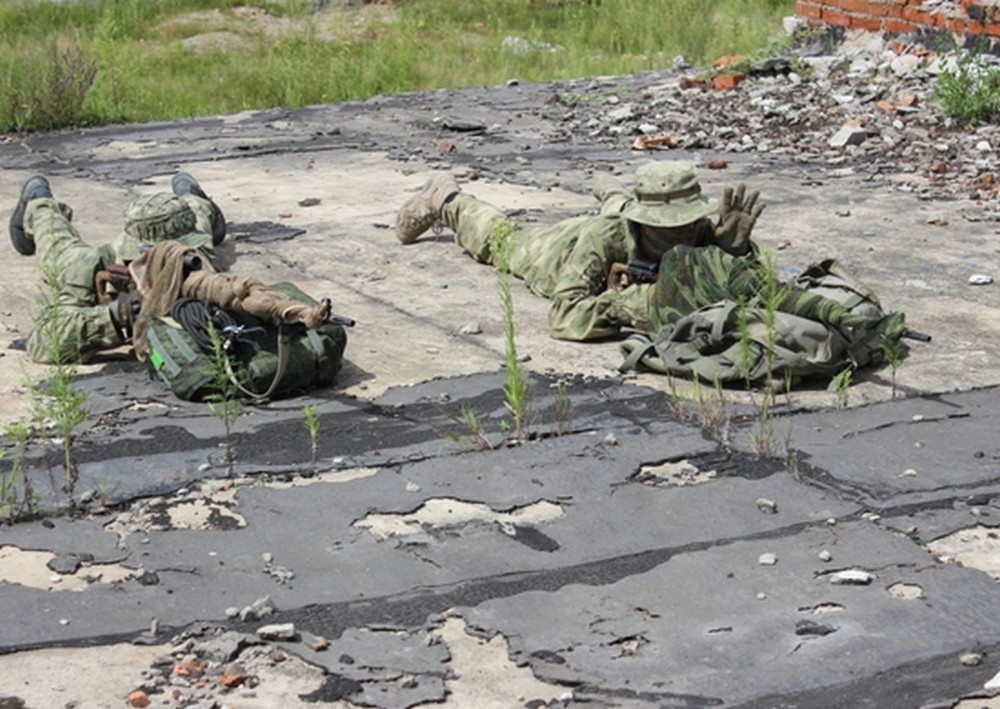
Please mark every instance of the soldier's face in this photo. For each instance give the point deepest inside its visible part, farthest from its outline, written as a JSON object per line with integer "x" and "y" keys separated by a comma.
{"x": 656, "y": 240}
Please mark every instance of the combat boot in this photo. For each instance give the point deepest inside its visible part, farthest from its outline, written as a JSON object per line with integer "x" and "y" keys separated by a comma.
{"x": 34, "y": 187}
{"x": 184, "y": 183}
{"x": 423, "y": 209}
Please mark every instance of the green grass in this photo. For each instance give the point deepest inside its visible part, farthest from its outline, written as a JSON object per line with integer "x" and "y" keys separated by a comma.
{"x": 112, "y": 61}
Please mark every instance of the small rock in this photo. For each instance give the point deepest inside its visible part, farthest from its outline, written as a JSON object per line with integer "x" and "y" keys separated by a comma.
{"x": 767, "y": 506}
{"x": 260, "y": 608}
{"x": 825, "y": 556}
{"x": 852, "y": 577}
{"x": 277, "y": 631}
{"x": 980, "y": 279}
{"x": 610, "y": 440}
{"x": 971, "y": 659}
{"x": 472, "y": 328}
{"x": 319, "y": 643}
{"x": 138, "y": 698}
{"x": 767, "y": 559}
{"x": 412, "y": 487}
{"x": 848, "y": 135}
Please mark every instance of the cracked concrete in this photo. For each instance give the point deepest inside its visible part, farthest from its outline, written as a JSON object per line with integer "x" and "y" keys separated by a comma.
{"x": 623, "y": 557}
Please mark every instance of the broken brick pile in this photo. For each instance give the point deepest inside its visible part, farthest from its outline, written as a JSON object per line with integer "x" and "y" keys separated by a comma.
{"x": 962, "y": 18}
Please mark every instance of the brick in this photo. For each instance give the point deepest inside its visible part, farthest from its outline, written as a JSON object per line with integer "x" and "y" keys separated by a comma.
{"x": 862, "y": 7}
{"x": 723, "y": 82}
{"x": 869, "y": 24}
{"x": 808, "y": 10}
{"x": 832, "y": 17}
{"x": 899, "y": 26}
{"x": 920, "y": 17}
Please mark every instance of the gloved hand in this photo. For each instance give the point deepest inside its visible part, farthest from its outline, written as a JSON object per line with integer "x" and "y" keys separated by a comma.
{"x": 605, "y": 184}
{"x": 737, "y": 216}
{"x": 123, "y": 310}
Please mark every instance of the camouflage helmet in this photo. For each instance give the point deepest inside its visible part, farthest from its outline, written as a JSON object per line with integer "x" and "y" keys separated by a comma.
{"x": 667, "y": 194}
{"x": 153, "y": 218}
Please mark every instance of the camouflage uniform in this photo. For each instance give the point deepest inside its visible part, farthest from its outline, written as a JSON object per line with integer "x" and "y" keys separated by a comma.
{"x": 569, "y": 262}
{"x": 72, "y": 325}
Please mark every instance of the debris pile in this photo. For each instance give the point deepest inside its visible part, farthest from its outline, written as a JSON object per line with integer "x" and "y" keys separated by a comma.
{"x": 862, "y": 102}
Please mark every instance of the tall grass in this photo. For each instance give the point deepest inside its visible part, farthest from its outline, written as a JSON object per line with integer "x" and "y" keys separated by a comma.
{"x": 142, "y": 71}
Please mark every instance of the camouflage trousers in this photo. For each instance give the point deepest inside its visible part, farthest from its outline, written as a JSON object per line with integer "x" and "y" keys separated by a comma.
{"x": 71, "y": 325}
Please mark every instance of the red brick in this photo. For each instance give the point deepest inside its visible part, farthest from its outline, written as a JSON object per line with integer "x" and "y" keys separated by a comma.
{"x": 899, "y": 26}
{"x": 808, "y": 10}
{"x": 957, "y": 26}
{"x": 921, "y": 17}
{"x": 727, "y": 81}
{"x": 869, "y": 24}
{"x": 832, "y": 17}
{"x": 859, "y": 6}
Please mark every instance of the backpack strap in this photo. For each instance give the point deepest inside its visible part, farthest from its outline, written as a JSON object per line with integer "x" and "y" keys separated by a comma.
{"x": 284, "y": 346}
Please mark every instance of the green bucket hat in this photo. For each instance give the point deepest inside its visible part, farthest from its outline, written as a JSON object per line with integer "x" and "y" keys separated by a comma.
{"x": 153, "y": 218}
{"x": 667, "y": 194}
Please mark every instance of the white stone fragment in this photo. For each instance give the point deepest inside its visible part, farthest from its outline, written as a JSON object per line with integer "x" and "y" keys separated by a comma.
{"x": 852, "y": 577}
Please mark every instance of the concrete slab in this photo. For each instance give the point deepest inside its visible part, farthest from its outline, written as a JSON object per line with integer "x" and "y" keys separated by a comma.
{"x": 574, "y": 568}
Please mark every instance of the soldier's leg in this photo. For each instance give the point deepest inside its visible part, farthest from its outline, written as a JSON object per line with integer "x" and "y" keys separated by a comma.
{"x": 474, "y": 222}
{"x": 63, "y": 334}
{"x": 71, "y": 325}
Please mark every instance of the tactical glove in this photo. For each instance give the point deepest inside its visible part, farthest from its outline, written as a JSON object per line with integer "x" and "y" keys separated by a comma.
{"x": 737, "y": 215}
{"x": 123, "y": 310}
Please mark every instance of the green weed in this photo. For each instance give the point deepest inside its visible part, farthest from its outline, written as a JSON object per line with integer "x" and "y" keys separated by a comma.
{"x": 131, "y": 65}
{"x": 892, "y": 350}
{"x": 971, "y": 91}
{"x": 311, "y": 420}
{"x": 17, "y": 496}
{"x": 516, "y": 386}
{"x": 225, "y": 403}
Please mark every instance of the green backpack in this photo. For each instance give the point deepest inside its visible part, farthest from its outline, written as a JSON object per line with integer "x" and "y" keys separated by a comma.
{"x": 264, "y": 360}
{"x": 728, "y": 342}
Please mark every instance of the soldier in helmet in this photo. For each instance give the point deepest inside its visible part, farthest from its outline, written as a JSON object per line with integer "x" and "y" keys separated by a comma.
{"x": 87, "y": 312}
{"x": 599, "y": 272}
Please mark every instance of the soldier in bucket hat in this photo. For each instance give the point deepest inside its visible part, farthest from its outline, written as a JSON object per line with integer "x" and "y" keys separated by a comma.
{"x": 88, "y": 307}
{"x": 599, "y": 272}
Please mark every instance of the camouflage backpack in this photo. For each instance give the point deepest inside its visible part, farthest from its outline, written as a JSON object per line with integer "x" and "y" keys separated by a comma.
{"x": 262, "y": 359}
{"x": 732, "y": 342}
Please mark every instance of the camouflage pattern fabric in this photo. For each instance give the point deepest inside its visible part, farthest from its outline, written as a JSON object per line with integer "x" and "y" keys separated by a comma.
{"x": 567, "y": 262}
{"x": 164, "y": 216}
{"x": 693, "y": 277}
{"x": 71, "y": 326}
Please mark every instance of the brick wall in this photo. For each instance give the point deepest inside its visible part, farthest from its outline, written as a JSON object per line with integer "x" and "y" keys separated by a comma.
{"x": 962, "y": 18}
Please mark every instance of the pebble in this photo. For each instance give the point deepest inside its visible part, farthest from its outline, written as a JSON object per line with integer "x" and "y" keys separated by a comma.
{"x": 980, "y": 279}
{"x": 971, "y": 659}
{"x": 277, "y": 631}
{"x": 825, "y": 556}
{"x": 767, "y": 506}
{"x": 851, "y": 577}
{"x": 767, "y": 559}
